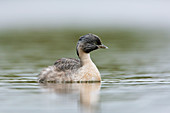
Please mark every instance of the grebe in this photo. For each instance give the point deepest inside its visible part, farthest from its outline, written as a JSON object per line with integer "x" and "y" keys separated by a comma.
{"x": 75, "y": 70}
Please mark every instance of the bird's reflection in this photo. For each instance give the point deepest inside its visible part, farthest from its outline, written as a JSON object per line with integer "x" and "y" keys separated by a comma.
{"x": 88, "y": 93}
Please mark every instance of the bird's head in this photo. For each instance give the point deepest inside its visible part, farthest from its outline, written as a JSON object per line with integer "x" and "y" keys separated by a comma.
{"x": 88, "y": 43}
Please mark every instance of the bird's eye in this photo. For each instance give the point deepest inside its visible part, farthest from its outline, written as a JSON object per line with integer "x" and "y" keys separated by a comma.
{"x": 81, "y": 38}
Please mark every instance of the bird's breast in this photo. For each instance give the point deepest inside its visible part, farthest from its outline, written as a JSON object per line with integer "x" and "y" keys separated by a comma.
{"x": 89, "y": 72}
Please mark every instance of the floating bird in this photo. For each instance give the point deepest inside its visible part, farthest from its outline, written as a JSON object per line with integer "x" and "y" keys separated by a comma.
{"x": 75, "y": 70}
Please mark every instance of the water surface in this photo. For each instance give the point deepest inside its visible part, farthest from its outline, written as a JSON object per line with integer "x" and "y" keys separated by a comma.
{"x": 135, "y": 72}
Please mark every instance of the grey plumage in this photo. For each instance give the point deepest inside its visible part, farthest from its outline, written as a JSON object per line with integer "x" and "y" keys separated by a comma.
{"x": 62, "y": 70}
{"x": 66, "y": 64}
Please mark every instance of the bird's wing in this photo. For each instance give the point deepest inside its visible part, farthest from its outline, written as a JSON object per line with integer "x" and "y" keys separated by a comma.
{"x": 66, "y": 64}
{"x": 60, "y": 71}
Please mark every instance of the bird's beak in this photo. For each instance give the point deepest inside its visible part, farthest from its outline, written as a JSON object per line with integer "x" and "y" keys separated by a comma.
{"x": 103, "y": 46}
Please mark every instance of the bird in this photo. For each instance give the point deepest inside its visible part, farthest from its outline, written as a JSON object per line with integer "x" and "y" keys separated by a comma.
{"x": 75, "y": 70}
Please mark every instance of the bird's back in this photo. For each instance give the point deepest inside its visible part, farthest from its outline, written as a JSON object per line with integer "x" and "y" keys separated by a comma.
{"x": 66, "y": 64}
{"x": 62, "y": 70}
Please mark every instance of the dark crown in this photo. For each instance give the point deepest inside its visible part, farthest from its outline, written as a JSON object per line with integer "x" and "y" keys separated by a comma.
{"x": 90, "y": 38}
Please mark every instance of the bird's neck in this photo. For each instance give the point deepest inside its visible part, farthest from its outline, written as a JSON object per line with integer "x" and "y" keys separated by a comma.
{"x": 85, "y": 58}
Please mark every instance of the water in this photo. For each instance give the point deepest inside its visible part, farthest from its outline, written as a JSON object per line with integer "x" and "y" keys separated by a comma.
{"x": 135, "y": 72}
